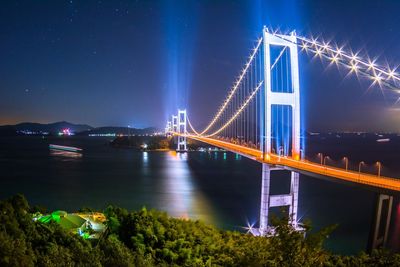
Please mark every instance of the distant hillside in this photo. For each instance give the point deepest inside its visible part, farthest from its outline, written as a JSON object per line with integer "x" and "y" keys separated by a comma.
{"x": 119, "y": 130}
{"x": 51, "y": 128}
{"x": 78, "y": 129}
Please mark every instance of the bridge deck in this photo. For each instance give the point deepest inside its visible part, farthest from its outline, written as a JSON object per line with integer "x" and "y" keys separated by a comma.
{"x": 304, "y": 165}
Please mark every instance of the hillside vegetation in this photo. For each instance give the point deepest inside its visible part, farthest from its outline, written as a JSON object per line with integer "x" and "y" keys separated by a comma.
{"x": 152, "y": 238}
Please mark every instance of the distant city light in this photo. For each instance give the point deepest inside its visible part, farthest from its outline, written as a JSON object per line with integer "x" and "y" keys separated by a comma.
{"x": 144, "y": 146}
{"x": 65, "y": 132}
{"x": 103, "y": 135}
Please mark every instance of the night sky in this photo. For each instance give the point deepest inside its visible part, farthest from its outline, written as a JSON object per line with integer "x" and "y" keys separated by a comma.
{"x": 134, "y": 62}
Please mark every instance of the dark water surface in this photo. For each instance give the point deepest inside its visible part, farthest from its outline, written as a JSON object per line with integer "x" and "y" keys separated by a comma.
{"x": 220, "y": 188}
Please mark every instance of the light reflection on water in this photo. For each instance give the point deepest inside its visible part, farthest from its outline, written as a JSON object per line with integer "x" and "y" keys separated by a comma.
{"x": 197, "y": 185}
{"x": 145, "y": 158}
{"x": 65, "y": 155}
{"x": 180, "y": 195}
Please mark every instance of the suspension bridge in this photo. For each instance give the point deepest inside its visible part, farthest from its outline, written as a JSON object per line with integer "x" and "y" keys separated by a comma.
{"x": 260, "y": 119}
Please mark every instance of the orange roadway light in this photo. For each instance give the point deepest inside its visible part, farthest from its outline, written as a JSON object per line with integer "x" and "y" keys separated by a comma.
{"x": 346, "y": 159}
{"x": 296, "y": 165}
{"x": 322, "y": 156}
{"x": 359, "y": 168}
{"x": 326, "y": 157}
{"x": 379, "y": 168}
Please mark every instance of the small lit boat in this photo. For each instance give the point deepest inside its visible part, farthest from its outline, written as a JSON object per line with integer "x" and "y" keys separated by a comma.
{"x": 65, "y": 148}
{"x": 382, "y": 140}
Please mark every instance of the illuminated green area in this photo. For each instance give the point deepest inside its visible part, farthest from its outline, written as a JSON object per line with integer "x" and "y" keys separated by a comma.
{"x": 74, "y": 223}
{"x": 45, "y": 219}
{"x": 56, "y": 216}
{"x": 85, "y": 236}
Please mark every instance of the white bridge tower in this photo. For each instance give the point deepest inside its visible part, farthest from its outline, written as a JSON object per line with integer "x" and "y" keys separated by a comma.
{"x": 181, "y": 131}
{"x": 289, "y": 97}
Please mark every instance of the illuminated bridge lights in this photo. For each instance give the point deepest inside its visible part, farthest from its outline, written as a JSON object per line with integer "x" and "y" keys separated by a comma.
{"x": 243, "y": 121}
{"x": 238, "y": 112}
{"x": 233, "y": 113}
{"x": 377, "y": 79}
{"x": 353, "y": 67}
{"x": 246, "y": 100}
{"x": 353, "y": 61}
{"x": 334, "y": 59}
{"x": 235, "y": 87}
{"x": 371, "y": 65}
{"x": 305, "y": 165}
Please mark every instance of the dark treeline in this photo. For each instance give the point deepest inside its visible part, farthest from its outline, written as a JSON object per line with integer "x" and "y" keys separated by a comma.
{"x": 137, "y": 142}
{"x": 152, "y": 238}
{"x": 152, "y": 142}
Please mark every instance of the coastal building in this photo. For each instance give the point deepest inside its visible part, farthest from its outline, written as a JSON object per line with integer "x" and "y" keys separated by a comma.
{"x": 89, "y": 225}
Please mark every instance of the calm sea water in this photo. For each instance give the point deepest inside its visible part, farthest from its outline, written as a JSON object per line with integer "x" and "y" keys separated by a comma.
{"x": 220, "y": 188}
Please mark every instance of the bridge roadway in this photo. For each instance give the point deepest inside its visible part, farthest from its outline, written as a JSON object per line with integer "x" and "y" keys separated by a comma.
{"x": 382, "y": 182}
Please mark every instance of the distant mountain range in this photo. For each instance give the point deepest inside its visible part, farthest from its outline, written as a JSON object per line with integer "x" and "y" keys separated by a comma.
{"x": 30, "y": 128}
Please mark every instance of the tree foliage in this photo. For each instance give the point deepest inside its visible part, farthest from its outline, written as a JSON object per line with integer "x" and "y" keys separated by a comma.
{"x": 152, "y": 238}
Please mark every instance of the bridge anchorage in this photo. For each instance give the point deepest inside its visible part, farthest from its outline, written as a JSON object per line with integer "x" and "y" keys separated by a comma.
{"x": 260, "y": 119}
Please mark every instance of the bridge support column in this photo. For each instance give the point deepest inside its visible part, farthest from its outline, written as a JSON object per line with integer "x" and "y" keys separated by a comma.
{"x": 268, "y": 201}
{"x": 381, "y": 222}
{"x": 264, "y": 209}
{"x": 182, "y": 142}
{"x": 294, "y": 192}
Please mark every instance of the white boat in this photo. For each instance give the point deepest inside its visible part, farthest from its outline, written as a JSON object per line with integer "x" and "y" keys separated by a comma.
{"x": 65, "y": 148}
{"x": 382, "y": 140}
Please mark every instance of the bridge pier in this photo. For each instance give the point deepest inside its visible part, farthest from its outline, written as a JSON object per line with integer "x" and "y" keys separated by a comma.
{"x": 381, "y": 222}
{"x": 268, "y": 201}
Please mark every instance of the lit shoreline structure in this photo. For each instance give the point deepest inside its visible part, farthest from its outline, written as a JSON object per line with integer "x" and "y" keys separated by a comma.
{"x": 88, "y": 225}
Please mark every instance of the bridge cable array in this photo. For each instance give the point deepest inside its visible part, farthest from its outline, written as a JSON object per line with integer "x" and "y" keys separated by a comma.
{"x": 239, "y": 116}
{"x": 235, "y": 87}
{"x": 238, "y": 119}
{"x": 385, "y": 77}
